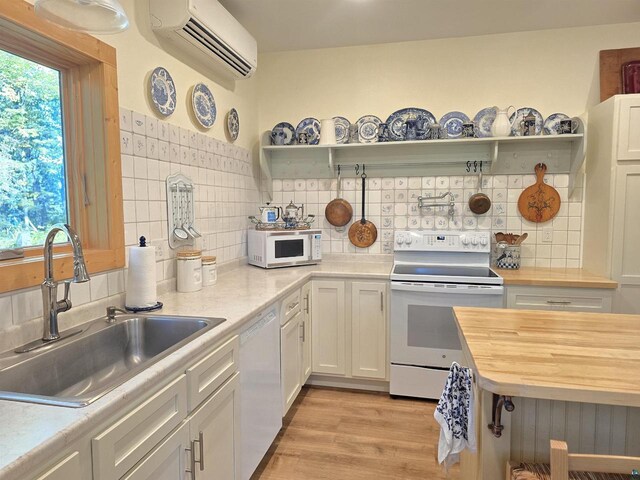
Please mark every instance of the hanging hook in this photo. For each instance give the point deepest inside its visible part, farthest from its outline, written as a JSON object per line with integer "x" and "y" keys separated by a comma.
{"x": 338, "y": 170}
{"x": 357, "y": 167}
{"x": 364, "y": 171}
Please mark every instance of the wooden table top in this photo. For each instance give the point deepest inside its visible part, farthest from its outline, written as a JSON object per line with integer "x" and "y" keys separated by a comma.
{"x": 555, "y": 277}
{"x": 571, "y": 356}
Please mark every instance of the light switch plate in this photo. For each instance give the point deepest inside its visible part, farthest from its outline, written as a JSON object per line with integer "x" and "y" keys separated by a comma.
{"x": 547, "y": 235}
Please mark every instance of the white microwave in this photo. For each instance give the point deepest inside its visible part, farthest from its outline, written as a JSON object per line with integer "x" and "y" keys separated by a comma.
{"x": 284, "y": 248}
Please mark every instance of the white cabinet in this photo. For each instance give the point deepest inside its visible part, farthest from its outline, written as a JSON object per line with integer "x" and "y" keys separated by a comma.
{"x": 626, "y": 223}
{"x": 214, "y": 432}
{"x": 629, "y": 128}
{"x": 168, "y": 461}
{"x": 291, "y": 360}
{"x": 66, "y": 469}
{"x": 329, "y": 327}
{"x": 349, "y": 324}
{"x": 369, "y": 330}
{"x": 562, "y": 299}
{"x": 306, "y": 331}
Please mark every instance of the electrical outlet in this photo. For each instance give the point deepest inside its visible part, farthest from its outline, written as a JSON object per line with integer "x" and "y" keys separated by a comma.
{"x": 160, "y": 253}
{"x": 547, "y": 235}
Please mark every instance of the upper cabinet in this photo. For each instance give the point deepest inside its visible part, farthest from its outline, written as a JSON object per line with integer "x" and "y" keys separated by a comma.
{"x": 629, "y": 128}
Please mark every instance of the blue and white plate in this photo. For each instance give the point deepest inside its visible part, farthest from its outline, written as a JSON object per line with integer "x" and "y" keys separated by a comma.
{"x": 311, "y": 127}
{"x": 283, "y": 134}
{"x": 519, "y": 115}
{"x": 163, "y": 91}
{"x": 368, "y": 128}
{"x": 397, "y": 119}
{"x": 204, "y": 106}
{"x": 484, "y": 121}
{"x": 452, "y": 123}
{"x": 552, "y": 123}
{"x": 342, "y": 129}
{"x": 233, "y": 124}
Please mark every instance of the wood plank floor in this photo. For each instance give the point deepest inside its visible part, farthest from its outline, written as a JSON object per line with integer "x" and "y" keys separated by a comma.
{"x": 345, "y": 434}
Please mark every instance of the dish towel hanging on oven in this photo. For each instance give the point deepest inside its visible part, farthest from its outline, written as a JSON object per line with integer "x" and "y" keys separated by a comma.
{"x": 455, "y": 415}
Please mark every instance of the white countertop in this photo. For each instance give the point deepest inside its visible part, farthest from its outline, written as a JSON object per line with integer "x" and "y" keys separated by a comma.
{"x": 31, "y": 434}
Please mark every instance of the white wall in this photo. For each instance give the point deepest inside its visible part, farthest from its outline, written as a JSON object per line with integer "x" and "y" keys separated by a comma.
{"x": 551, "y": 70}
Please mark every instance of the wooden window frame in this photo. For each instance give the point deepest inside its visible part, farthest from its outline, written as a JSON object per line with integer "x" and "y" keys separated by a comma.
{"x": 92, "y": 142}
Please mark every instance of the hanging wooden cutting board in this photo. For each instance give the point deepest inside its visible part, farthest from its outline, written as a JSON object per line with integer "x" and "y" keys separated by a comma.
{"x": 540, "y": 202}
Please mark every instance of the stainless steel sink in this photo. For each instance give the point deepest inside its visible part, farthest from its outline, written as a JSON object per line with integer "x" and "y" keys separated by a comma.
{"x": 77, "y": 371}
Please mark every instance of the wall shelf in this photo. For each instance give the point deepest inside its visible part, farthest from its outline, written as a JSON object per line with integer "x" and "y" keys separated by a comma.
{"x": 561, "y": 153}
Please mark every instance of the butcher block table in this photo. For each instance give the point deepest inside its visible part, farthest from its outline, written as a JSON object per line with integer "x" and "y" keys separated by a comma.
{"x": 589, "y": 358}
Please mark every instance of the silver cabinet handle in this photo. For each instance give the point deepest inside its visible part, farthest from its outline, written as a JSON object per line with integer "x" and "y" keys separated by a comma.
{"x": 382, "y": 301}
{"x": 200, "y": 442}
{"x": 293, "y": 305}
{"x": 306, "y": 303}
{"x": 558, "y": 302}
{"x": 302, "y": 327}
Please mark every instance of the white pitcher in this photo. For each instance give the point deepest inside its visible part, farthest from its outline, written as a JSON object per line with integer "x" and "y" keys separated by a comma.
{"x": 501, "y": 125}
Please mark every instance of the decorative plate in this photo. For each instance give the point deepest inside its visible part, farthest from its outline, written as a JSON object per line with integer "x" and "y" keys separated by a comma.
{"x": 484, "y": 121}
{"x": 368, "y": 128}
{"x": 398, "y": 118}
{"x": 233, "y": 124}
{"x": 163, "y": 91}
{"x": 283, "y": 134}
{"x": 552, "y": 123}
{"x": 452, "y": 123}
{"x": 204, "y": 106}
{"x": 342, "y": 129}
{"x": 519, "y": 116}
{"x": 311, "y": 127}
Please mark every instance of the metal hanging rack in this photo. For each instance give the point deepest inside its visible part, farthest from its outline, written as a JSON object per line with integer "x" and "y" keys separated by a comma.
{"x": 451, "y": 203}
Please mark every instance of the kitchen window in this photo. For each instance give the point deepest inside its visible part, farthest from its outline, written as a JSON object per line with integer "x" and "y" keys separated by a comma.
{"x": 32, "y": 191}
{"x": 70, "y": 173}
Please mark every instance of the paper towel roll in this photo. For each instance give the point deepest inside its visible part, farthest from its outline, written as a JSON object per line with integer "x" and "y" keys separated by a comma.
{"x": 141, "y": 280}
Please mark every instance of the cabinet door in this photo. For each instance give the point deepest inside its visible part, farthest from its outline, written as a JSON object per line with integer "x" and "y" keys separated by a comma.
{"x": 629, "y": 128}
{"x": 291, "y": 361}
{"x": 369, "y": 330}
{"x": 626, "y": 227}
{"x": 214, "y": 430}
{"x": 563, "y": 299}
{"x": 328, "y": 329}
{"x": 66, "y": 469}
{"x": 168, "y": 461}
{"x": 306, "y": 332}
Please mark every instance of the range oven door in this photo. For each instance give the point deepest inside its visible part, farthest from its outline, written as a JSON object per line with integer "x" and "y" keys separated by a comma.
{"x": 423, "y": 329}
{"x": 284, "y": 249}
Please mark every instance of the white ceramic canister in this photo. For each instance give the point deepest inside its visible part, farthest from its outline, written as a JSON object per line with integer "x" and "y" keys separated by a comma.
{"x": 189, "y": 270}
{"x": 209, "y": 271}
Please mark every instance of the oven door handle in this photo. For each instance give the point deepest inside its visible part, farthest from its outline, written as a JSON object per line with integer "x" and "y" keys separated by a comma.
{"x": 459, "y": 289}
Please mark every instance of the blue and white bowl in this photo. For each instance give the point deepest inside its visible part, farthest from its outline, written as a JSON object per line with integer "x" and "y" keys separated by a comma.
{"x": 310, "y": 126}
{"x": 283, "y": 134}
{"x": 163, "y": 91}
{"x": 484, "y": 121}
{"x": 233, "y": 124}
{"x": 452, "y": 122}
{"x": 204, "y": 105}
{"x": 342, "y": 129}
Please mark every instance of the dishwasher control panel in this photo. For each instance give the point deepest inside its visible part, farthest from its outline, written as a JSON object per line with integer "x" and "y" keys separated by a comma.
{"x": 443, "y": 241}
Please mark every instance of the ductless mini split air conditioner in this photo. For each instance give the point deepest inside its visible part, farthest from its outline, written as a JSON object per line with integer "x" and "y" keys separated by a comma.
{"x": 204, "y": 29}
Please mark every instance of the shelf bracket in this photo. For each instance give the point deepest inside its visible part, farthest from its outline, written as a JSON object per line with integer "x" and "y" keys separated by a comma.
{"x": 332, "y": 166}
{"x": 493, "y": 156}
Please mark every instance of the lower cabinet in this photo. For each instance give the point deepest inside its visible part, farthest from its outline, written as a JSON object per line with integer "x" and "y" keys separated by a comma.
{"x": 597, "y": 300}
{"x": 306, "y": 331}
{"x": 66, "y": 469}
{"x": 291, "y": 361}
{"x": 349, "y": 323}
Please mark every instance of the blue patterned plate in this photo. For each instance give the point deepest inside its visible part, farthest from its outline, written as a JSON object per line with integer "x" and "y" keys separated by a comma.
{"x": 233, "y": 124}
{"x": 283, "y": 134}
{"x": 452, "y": 123}
{"x": 552, "y": 123}
{"x": 397, "y": 119}
{"x": 519, "y": 115}
{"x": 204, "y": 106}
{"x": 342, "y": 129}
{"x": 484, "y": 121}
{"x": 311, "y": 127}
{"x": 368, "y": 128}
{"x": 163, "y": 91}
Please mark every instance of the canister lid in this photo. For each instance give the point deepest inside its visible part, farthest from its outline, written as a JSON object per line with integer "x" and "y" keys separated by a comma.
{"x": 208, "y": 260}
{"x": 189, "y": 253}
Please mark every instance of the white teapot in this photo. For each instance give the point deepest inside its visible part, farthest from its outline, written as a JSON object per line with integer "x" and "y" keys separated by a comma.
{"x": 501, "y": 126}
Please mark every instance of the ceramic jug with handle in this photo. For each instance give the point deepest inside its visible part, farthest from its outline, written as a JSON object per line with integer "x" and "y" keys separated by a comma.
{"x": 501, "y": 125}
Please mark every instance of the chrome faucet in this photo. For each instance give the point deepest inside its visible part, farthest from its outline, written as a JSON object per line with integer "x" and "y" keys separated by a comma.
{"x": 51, "y": 306}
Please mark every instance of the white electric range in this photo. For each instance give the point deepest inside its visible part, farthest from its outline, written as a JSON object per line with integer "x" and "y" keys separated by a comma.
{"x": 432, "y": 273}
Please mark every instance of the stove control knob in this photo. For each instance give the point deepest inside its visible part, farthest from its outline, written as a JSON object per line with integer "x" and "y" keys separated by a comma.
{"x": 474, "y": 240}
{"x": 464, "y": 239}
{"x": 399, "y": 240}
{"x": 483, "y": 240}
{"x": 408, "y": 240}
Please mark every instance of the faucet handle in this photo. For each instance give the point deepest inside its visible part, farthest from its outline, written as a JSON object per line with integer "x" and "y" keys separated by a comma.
{"x": 67, "y": 286}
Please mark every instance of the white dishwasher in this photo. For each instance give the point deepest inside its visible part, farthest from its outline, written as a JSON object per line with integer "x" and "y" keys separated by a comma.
{"x": 261, "y": 395}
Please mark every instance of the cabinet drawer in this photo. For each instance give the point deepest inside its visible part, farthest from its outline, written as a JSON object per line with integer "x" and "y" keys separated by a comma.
{"x": 206, "y": 376}
{"x": 290, "y": 306}
{"x": 569, "y": 299}
{"x": 65, "y": 469}
{"x": 129, "y": 439}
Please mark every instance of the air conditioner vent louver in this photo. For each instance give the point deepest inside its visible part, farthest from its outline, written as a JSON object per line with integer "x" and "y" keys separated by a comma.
{"x": 213, "y": 45}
